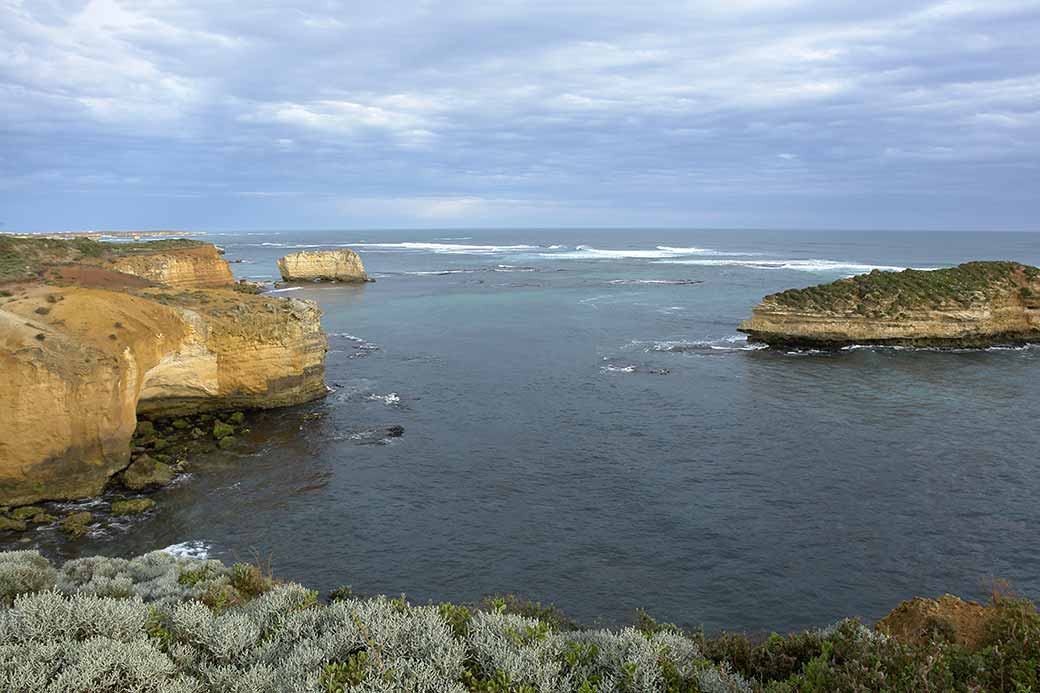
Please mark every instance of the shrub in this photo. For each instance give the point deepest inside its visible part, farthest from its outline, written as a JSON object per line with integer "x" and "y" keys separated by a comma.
{"x": 161, "y": 623}
{"x": 22, "y": 572}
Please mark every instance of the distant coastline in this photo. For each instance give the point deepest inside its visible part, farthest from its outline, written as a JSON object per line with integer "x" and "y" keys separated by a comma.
{"x": 103, "y": 234}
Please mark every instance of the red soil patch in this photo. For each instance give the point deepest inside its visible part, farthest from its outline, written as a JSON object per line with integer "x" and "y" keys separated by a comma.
{"x": 96, "y": 277}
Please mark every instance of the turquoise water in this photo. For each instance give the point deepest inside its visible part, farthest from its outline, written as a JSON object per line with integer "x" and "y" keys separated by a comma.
{"x": 584, "y": 425}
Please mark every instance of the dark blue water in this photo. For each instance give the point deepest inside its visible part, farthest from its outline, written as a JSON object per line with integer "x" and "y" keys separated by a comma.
{"x": 577, "y": 434}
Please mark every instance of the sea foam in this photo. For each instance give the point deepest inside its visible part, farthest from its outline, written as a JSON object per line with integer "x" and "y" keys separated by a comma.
{"x": 733, "y": 343}
{"x": 585, "y": 252}
{"x": 190, "y": 549}
{"x": 799, "y": 265}
{"x": 448, "y": 248}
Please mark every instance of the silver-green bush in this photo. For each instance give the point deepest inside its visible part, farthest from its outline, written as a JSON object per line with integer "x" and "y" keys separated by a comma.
{"x": 161, "y": 624}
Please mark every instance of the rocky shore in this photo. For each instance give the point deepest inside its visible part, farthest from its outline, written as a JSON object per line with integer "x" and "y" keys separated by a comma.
{"x": 99, "y": 341}
{"x": 976, "y": 304}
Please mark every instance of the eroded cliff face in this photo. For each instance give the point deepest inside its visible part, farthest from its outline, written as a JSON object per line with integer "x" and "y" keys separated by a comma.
{"x": 342, "y": 265}
{"x": 198, "y": 267}
{"x": 70, "y": 389}
{"x": 80, "y": 361}
{"x": 242, "y": 352}
{"x": 977, "y": 304}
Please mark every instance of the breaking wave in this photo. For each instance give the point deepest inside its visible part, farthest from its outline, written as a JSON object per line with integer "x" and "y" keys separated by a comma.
{"x": 668, "y": 282}
{"x": 391, "y": 399}
{"x": 361, "y": 347}
{"x": 585, "y": 252}
{"x": 949, "y": 350}
{"x": 190, "y": 549}
{"x": 799, "y": 265}
{"x": 448, "y": 248}
{"x": 679, "y": 346}
{"x": 470, "y": 270}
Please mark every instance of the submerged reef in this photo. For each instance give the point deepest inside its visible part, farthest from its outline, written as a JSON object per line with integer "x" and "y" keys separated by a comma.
{"x": 976, "y": 304}
{"x": 165, "y": 623}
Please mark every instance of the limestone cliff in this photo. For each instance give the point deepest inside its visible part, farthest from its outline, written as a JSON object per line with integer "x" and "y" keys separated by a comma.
{"x": 196, "y": 267}
{"x": 342, "y": 265}
{"x": 976, "y": 304}
{"x": 82, "y": 354}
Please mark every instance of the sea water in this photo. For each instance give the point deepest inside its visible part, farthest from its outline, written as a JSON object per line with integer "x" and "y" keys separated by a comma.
{"x": 585, "y": 426}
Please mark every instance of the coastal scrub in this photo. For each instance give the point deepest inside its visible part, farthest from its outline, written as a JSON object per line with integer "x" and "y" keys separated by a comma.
{"x": 163, "y": 623}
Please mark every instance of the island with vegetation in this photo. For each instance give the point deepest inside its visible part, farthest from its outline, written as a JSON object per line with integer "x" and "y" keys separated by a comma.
{"x": 160, "y": 623}
{"x": 976, "y": 304}
{"x": 121, "y": 359}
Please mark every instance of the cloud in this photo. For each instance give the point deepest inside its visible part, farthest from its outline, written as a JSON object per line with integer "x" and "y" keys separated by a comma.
{"x": 529, "y": 111}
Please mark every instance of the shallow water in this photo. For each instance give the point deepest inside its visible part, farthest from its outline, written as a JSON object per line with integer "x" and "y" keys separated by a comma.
{"x": 584, "y": 425}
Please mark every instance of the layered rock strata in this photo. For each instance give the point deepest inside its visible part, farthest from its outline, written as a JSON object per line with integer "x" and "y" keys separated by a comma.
{"x": 976, "y": 304}
{"x": 80, "y": 361}
{"x": 341, "y": 265}
{"x": 196, "y": 267}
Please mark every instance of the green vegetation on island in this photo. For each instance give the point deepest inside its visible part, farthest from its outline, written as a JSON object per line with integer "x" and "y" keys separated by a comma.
{"x": 162, "y": 623}
{"x": 892, "y": 294}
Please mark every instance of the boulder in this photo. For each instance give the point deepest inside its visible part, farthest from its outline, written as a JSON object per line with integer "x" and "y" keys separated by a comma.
{"x": 26, "y": 512}
{"x": 76, "y": 524}
{"x": 8, "y": 524}
{"x": 132, "y": 506}
{"x": 222, "y": 430}
{"x": 145, "y": 472}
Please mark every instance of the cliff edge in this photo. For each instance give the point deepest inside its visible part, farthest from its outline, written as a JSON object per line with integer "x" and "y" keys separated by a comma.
{"x": 84, "y": 349}
{"x": 977, "y": 304}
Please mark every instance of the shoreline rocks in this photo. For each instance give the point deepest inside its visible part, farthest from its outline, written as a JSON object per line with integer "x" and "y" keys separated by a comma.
{"x": 340, "y": 265}
{"x": 973, "y": 305}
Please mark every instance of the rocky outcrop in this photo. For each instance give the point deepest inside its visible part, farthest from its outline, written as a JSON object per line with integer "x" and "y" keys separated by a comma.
{"x": 917, "y": 621}
{"x": 340, "y": 265}
{"x": 80, "y": 362}
{"x": 195, "y": 267}
{"x": 976, "y": 304}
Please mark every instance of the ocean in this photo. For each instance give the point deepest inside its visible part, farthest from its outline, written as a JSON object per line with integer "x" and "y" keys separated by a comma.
{"x": 583, "y": 425}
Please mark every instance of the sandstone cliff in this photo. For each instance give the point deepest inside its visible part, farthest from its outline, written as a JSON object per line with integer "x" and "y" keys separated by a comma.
{"x": 196, "y": 267}
{"x": 976, "y": 304}
{"x": 83, "y": 354}
{"x": 341, "y": 265}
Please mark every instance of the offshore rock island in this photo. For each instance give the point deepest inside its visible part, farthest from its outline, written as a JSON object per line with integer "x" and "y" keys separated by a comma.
{"x": 973, "y": 305}
{"x": 342, "y": 265}
{"x": 93, "y": 334}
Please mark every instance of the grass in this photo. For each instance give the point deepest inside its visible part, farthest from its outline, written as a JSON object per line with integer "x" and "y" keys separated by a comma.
{"x": 894, "y": 294}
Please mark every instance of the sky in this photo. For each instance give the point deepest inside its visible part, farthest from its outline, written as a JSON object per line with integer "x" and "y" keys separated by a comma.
{"x": 222, "y": 114}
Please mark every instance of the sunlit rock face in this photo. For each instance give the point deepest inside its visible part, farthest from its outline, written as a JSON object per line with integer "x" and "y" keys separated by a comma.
{"x": 342, "y": 265}
{"x": 200, "y": 267}
{"x": 977, "y": 304}
{"x": 80, "y": 362}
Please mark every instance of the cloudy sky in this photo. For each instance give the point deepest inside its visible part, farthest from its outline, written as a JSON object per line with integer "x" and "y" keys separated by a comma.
{"x": 706, "y": 113}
